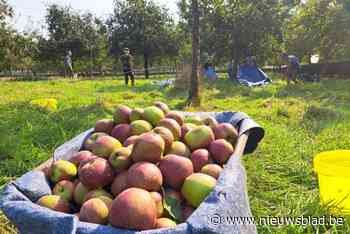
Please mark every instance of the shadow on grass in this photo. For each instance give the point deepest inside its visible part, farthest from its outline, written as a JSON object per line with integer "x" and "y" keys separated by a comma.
{"x": 338, "y": 89}
{"x": 27, "y": 134}
{"x": 317, "y": 118}
{"x": 229, "y": 89}
{"x": 176, "y": 93}
{"x": 181, "y": 105}
{"x": 146, "y": 87}
{"x": 333, "y": 93}
{"x": 299, "y": 90}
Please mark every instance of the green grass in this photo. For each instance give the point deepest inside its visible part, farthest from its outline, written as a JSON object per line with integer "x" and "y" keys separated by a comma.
{"x": 300, "y": 121}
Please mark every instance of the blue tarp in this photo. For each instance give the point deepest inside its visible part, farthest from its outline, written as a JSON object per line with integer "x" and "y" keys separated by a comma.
{"x": 228, "y": 200}
{"x": 252, "y": 76}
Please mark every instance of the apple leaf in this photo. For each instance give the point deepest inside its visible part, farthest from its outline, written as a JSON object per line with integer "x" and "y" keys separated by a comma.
{"x": 172, "y": 207}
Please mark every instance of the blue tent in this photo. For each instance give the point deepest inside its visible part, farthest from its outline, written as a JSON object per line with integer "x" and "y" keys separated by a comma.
{"x": 252, "y": 76}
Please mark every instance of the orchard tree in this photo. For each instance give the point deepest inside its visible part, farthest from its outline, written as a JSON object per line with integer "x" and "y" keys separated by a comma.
{"x": 145, "y": 28}
{"x": 95, "y": 40}
{"x": 17, "y": 51}
{"x": 320, "y": 27}
{"x": 233, "y": 29}
{"x": 83, "y": 34}
{"x": 5, "y": 10}
{"x": 24, "y": 51}
{"x": 6, "y": 33}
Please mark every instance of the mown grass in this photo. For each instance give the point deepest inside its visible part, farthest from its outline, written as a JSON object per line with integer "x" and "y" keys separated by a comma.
{"x": 300, "y": 121}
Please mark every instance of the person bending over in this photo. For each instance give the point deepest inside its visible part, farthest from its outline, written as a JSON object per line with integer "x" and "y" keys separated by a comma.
{"x": 292, "y": 67}
{"x": 209, "y": 71}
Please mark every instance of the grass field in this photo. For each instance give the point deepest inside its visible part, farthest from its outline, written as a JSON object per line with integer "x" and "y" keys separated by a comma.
{"x": 300, "y": 121}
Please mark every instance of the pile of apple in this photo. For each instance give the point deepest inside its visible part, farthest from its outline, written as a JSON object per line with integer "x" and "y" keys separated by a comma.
{"x": 144, "y": 169}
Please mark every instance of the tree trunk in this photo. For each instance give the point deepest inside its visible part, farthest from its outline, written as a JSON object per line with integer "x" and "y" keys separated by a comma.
{"x": 236, "y": 59}
{"x": 146, "y": 61}
{"x": 236, "y": 52}
{"x": 175, "y": 66}
{"x": 193, "y": 98}
{"x": 91, "y": 63}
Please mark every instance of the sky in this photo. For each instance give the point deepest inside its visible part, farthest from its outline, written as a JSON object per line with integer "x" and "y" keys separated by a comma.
{"x": 30, "y": 14}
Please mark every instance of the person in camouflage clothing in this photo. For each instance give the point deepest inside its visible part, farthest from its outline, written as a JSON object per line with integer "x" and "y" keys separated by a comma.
{"x": 127, "y": 62}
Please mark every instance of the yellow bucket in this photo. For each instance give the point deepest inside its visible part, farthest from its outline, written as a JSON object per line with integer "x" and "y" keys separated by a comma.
{"x": 333, "y": 170}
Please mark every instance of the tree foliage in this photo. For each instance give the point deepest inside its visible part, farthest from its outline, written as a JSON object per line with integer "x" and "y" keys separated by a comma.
{"x": 84, "y": 34}
{"x": 234, "y": 28}
{"x": 143, "y": 26}
{"x": 5, "y": 10}
{"x": 5, "y": 32}
{"x": 228, "y": 29}
{"x": 16, "y": 50}
{"x": 320, "y": 27}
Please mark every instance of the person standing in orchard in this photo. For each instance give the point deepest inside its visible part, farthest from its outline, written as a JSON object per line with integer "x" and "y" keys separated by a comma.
{"x": 127, "y": 63}
{"x": 68, "y": 67}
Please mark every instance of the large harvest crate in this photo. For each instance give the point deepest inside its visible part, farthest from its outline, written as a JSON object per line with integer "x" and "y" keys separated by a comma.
{"x": 225, "y": 210}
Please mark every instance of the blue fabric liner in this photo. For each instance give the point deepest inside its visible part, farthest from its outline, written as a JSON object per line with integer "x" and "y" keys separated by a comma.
{"x": 229, "y": 199}
{"x": 252, "y": 76}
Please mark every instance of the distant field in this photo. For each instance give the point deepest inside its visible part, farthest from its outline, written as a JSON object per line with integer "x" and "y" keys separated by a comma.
{"x": 300, "y": 121}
